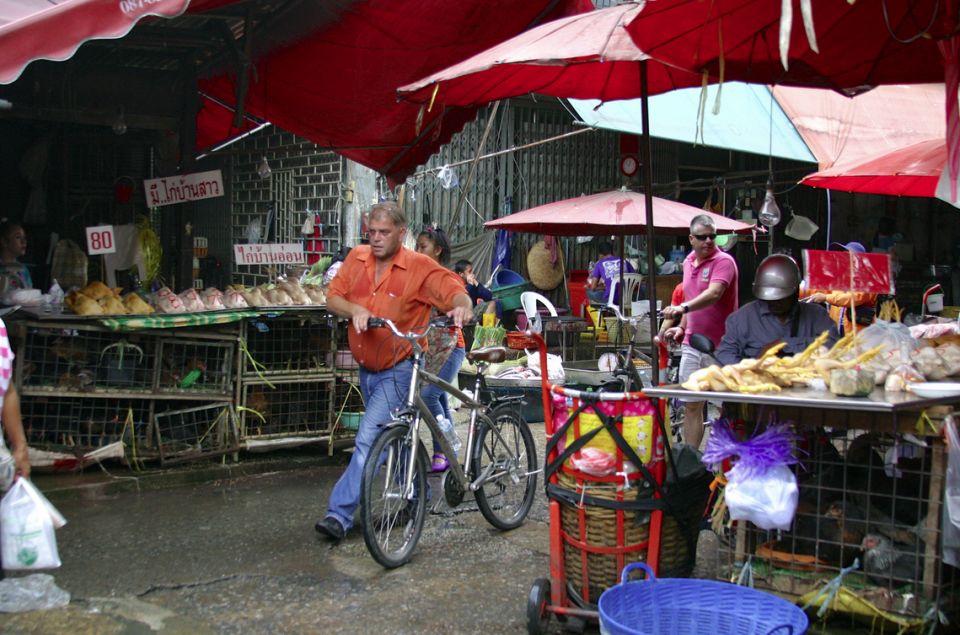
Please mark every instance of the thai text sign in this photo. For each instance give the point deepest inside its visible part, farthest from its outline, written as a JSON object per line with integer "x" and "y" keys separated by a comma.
{"x": 848, "y": 271}
{"x": 100, "y": 240}
{"x": 169, "y": 190}
{"x": 269, "y": 254}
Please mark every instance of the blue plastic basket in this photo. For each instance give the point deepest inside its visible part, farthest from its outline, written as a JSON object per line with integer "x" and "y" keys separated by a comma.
{"x": 507, "y": 278}
{"x": 677, "y": 606}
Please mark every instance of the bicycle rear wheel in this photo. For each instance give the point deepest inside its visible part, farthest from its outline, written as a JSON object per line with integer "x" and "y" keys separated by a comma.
{"x": 506, "y": 458}
{"x": 393, "y": 518}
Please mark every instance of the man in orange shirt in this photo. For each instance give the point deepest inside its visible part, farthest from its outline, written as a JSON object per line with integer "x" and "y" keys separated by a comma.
{"x": 384, "y": 279}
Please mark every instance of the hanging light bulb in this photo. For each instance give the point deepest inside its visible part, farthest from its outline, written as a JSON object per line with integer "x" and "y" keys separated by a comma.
{"x": 263, "y": 170}
{"x": 119, "y": 124}
{"x": 769, "y": 215}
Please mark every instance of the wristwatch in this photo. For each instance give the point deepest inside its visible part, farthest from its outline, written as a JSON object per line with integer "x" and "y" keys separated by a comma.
{"x": 685, "y": 307}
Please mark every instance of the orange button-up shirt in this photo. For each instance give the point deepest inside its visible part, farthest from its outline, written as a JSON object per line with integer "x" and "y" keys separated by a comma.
{"x": 409, "y": 288}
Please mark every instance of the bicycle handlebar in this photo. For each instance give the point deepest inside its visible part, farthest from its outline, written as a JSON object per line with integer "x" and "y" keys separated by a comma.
{"x": 631, "y": 320}
{"x": 438, "y": 322}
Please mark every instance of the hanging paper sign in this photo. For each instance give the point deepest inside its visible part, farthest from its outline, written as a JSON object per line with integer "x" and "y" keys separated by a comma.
{"x": 848, "y": 271}
{"x": 269, "y": 254}
{"x": 100, "y": 240}
{"x": 181, "y": 188}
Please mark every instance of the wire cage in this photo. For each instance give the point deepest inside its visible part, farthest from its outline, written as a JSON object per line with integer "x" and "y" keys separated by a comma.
{"x": 196, "y": 432}
{"x": 79, "y": 426}
{"x": 872, "y": 497}
{"x": 84, "y": 359}
{"x": 298, "y": 406}
{"x": 294, "y": 343}
{"x": 348, "y": 403}
{"x": 195, "y": 366}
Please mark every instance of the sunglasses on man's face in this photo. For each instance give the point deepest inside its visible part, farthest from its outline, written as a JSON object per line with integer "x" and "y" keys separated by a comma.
{"x": 704, "y": 237}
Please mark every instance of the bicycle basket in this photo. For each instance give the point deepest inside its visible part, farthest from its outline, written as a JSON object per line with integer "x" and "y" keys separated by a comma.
{"x": 688, "y": 607}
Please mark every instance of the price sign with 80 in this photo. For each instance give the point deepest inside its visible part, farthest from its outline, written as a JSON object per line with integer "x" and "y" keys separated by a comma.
{"x": 100, "y": 240}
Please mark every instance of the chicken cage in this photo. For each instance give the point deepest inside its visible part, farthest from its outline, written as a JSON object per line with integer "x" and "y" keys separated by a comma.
{"x": 287, "y": 407}
{"x": 195, "y": 432}
{"x": 869, "y": 511}
{"x": 288, "y": 345}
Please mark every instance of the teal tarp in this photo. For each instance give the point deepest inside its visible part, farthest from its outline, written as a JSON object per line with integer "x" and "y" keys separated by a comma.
{"x": 743, "y": 122}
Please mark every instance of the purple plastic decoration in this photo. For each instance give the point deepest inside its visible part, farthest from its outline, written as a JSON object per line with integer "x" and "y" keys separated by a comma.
{"x": 774, "y": 446}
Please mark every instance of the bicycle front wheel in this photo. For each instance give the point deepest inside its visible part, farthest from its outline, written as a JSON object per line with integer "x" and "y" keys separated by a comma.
{"x": 392, "y": 508}
{"x": 505, "y": 460}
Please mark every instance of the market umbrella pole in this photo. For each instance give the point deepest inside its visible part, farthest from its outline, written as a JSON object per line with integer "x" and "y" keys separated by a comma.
{"x": 648, "y": 200}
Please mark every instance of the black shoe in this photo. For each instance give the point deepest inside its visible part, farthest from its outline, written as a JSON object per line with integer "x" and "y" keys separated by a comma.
{"x": 330, "y": 528}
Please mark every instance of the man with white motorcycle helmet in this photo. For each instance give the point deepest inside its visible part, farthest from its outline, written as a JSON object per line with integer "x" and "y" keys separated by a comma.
{"x": 775, "y": 316}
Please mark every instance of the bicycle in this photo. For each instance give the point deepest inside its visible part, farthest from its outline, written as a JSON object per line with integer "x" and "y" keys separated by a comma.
{"x": 499, "y": 459}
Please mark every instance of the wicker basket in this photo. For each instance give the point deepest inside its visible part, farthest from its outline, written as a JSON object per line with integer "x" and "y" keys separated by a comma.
{"x": 604, "y": 553}
{"x": 614, "y": 333}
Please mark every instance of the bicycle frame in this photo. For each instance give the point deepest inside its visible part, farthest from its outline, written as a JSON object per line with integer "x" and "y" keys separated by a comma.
{"x": 415, "y": 410}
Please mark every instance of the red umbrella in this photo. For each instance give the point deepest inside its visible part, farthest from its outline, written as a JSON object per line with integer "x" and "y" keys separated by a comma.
{"x": 910, "y": 171}
{"x": 583, "y": 56}
{"x": 620, "y": 212}
{"x": 860, "y": 44}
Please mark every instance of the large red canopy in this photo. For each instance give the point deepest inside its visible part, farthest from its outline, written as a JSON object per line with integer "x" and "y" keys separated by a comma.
{"x": 860, "y": 44}
{"x": 910, "y": 171}
{"x": 332, "y": 79}
{"x": 337, "y": 86}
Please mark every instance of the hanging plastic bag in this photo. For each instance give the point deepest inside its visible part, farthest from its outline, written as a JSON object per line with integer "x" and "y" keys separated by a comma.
{"x": 27, "y": 524}
{"x": 952, "y": 490}
{"x": 760, "y": 487}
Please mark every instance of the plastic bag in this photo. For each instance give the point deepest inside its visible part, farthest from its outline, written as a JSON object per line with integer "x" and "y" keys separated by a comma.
{"x": 27, "y": 524}
{"x": 555, "y": 372}
{"x": 952, "y": 489}
{"x": 34, "y": 592}
{"x": 56, "y": 294}
{"x": 8, "y": 467}
{"x": 595, "y": 462}
{"x": 768, "y": 500}
{"x": 761, "y": 487}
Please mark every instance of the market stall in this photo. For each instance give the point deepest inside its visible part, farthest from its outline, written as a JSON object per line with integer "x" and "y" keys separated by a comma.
{"x": 174, "y": 387}
{"x": 869, "y": 481}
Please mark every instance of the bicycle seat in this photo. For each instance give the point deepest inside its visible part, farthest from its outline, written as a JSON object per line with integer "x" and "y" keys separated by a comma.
{"x": 489, "y": 354}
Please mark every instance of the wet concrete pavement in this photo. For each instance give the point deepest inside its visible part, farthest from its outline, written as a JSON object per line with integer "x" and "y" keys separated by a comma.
{"x": 240, "y": 555}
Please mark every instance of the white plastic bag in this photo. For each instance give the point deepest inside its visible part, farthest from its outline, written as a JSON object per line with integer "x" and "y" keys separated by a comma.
{"x": 768, "y": 500}
{"x": 952, "y": 489}
{"x": 27, "y": 524}
{"x": 555, "y": 372}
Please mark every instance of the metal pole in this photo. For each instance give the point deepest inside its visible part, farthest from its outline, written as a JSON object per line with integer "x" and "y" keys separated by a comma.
{"x": 648, "y": 199}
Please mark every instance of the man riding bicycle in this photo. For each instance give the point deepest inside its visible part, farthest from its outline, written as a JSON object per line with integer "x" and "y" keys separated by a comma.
{"x": 384, "y": 279}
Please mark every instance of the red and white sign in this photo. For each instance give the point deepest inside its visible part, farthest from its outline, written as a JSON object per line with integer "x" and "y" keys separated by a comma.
{"x": 100, "y": 240}
{"x": 269, "y": 254}
{"x": 848, "y": 271}
{"x": 181, "y": 188}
